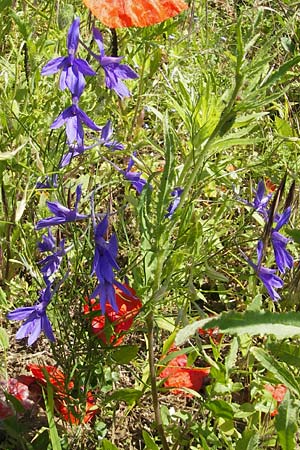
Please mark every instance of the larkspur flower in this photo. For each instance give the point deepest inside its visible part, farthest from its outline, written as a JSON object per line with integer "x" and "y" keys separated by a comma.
{"x": 267, "y": 276}
{"x": 279, "y": 242}
{"x": 176, "y": 193}
{"x": 51, "y": 263}
{"x": 36, "y": 318}
{"x": 103, "y": 266}
{"x": 105, "y": 140}
{"x": 114, "y": 71}
{"x": 61, "y": 213}
{"x": 135, "y": 178}
{"x": 260, "y": 201}
{"x": 73, "y": 117}
{"x": 73, "y": 70}
{"x": 50, "y": 182}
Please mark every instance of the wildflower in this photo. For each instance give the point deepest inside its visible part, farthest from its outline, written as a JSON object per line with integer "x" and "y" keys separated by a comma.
{"x": 51, "y": 263}
{"x": 260, "y": 201}
{"x": 16, "y": 389}
{"x": 61, "y": 213}
{"x": 134, "y": 13}
{"x": 62, "y": 393}
{"x": 103, "y": 264}
{"x": 105, "y": 140}
{"x": 73, "y": 70}
{"x": 178, "y": 375}
{"x": 135, "y": 178}
{"x": 73, "y": 117}
{"x": 267, "y": 276}
{"x": 176, "y": 193}
{"x": 278, "y": 393}
{"x": 114, "y": 71}
{"x": 50, "y": 182}
{"x": 212, "y": 333}
{"x": 279, "y": 242}
{"x": 112, "y": 322}
{"x": 36, "y": 318}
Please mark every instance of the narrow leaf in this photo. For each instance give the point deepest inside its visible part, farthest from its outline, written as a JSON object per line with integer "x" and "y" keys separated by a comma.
{"x": 283, "y": 374}
{"x": 286, "y": 423}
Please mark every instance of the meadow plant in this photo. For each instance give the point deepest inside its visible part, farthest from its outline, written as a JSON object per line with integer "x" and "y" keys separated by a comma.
{"x": 144, "y": 282}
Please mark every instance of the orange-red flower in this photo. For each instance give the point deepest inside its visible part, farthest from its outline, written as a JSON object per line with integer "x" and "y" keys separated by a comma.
{"x": 134, "y": 13}
{"x": 278, "y": 392}
{"x": 16, "y": 389}
{"x": 177, "y": 375}
{"x": 114, "y": 323}
{"x": 62, "y": 392}
{"x": 213, "y": 333}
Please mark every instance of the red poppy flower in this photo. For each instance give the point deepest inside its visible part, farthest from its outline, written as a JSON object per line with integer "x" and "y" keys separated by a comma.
{"x": 18, "y": 390}
{"x": 278, "y": 392}
{"x": 62, "y": 395}
{"x": 129, "y": 306}
{"x": 178, "y": 375}
{"x": 213, "y": 333}
{"x": 134, "y": 13}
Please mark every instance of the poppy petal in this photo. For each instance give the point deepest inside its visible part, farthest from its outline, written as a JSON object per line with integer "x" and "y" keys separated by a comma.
{"x": 134, "y": 13}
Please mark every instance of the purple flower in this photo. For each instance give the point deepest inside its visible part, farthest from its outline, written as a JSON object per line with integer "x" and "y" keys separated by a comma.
{"x": 50, "y": 182}
{"x": 267, "y": 276}
{"x": 176, "y": 193}
{"x": 61, "y": 213}
{"x": 135, "y": 178}
{"x": 279, "y": 242}
{"x": 105, "y": 140}
{"x": 103, "y": 264}
{"x": 114, "y": 71}
{"x": 73, "y": 70}
{"x": 36, "y": 318}
{"x": 260, "y": 201}
{"x": 51, "y": 263}
{"x": 73, "y": 117}
{"x": 48, "y": 243}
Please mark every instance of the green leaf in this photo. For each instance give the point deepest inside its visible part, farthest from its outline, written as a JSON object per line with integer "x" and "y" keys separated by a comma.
{"x": 283, "y": 374}
{"x": 125, "y": 354}
{"x": 286, "y": 423}
{"x": 282, "y": 325}
{"x": 286, "y": 352}
{"x": 4, "y": 339}
{"x": 220, "y": 408}
{"x": 249, "y": 441}
{"x": 168, "y": 173}
{"x": 294, "y": 234}
{"x": 4, "y": 4}
{"x": 49, "y": 403}
{"x": 149, "y": 442}
{"x": 276, "y": 76}
{"x": 127, "y": 395}
{"x": 107, "y": 445}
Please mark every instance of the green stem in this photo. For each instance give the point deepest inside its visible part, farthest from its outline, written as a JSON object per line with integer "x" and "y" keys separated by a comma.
{"x": 156, "y": 407}
{"x": 225, "y": 116}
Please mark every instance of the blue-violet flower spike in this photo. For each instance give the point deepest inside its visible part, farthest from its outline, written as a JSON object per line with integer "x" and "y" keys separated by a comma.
{"x": 283, "y": 258}
{"x": 36, "y": 318}
{"x": 73, "y": 70}
{"x": 114, "y": 71}
{"x": 73, "y": 117}
{"x": 267, "y": 276}
{"x": 176, "y": 193}
{"x": 61, "y": 213}
{"x": 103, "y": 264}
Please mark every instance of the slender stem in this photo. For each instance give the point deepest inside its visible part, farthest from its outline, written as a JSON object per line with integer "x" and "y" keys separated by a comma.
{"x": 140, "y": 91}
{"x": 158, "y": 419}
{"x": 223, "y": 119}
